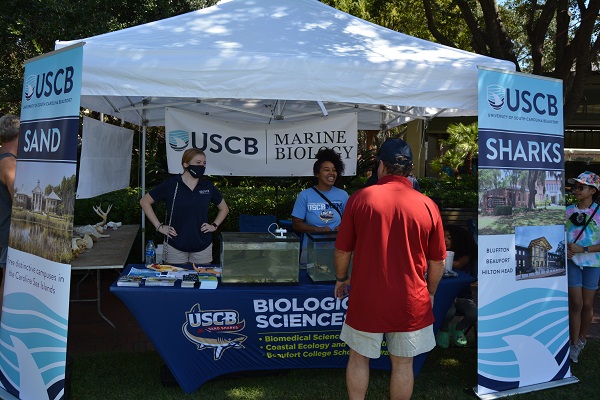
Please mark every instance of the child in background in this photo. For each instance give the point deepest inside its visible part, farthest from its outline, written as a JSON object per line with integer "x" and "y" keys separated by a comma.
{"x": 583, "y": 254}
{"x": 462, "y": 244}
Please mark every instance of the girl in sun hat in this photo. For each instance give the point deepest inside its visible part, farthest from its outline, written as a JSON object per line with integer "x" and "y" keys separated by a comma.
{"x": 583, "y": 254}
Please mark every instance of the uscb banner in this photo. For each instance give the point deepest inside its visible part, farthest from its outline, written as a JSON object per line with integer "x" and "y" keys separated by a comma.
{"x": 35, "y": 309}
{"x": 523, "y": 324}
{"x": 241, "y": 149}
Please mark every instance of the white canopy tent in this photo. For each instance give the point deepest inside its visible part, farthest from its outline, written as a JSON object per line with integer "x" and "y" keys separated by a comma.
{"x": 270, "y": 60}
{"x": 275, "y": 60}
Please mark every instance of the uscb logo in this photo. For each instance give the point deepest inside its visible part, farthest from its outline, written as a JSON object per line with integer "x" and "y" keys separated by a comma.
{"x": 49, "y": 83}
{"x": 179, "y": 139}
{"x": 30, "y": 87}
{"x": 217, "y": 330}
{"x": 522, "y": 101}
{"x": 495, "y": 96}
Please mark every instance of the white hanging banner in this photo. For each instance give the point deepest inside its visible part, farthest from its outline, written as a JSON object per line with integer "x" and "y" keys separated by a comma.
{"x": 240, "y": 149}
{"x": 105, "y": 164}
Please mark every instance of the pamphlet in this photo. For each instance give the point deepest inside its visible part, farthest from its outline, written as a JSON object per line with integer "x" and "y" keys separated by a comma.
{"x": 129, "y": 280}
{"x": 160, "y": 281}
{"x": 189, "y": 281}
{"x": 142, "y": 272}
{"x": 208, "y": 281}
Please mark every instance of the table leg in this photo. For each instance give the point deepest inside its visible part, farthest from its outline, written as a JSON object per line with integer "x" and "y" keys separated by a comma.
{"x": 98, "y": 302}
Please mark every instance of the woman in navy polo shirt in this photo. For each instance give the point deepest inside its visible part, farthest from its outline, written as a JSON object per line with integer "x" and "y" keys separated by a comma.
{"x": 188, "y": 234}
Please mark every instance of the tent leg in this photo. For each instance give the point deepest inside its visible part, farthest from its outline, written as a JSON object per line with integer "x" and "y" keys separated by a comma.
{"x": 143, "y": 188}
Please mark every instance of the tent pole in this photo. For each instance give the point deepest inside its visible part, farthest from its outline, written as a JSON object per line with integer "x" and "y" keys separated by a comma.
{"x": 143, "y": 188}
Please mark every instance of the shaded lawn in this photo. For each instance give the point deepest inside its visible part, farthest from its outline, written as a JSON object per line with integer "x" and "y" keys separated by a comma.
{"x": 447, "y": 374}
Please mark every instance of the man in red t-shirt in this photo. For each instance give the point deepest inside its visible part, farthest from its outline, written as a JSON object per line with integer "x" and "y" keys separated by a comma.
{"x": 396, "y": 236}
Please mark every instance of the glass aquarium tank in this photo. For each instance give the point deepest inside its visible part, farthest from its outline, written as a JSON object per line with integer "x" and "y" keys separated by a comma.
{"x": 259, "y": 258}
{"x": 320, "y": 248}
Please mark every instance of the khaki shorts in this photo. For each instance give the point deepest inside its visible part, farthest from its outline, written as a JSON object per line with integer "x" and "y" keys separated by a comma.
{"x": 400, "y": 344}
{"x": 175, "y": 256}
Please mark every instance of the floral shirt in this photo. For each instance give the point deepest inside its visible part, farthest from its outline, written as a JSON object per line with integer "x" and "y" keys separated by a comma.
{"x": 589, "y": 237}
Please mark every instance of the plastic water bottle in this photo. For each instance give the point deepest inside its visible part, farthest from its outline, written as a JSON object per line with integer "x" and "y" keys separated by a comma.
{"x": 150, "y": 253}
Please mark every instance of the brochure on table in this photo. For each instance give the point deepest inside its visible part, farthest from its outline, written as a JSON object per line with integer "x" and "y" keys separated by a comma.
{"x": 208, "y": 279}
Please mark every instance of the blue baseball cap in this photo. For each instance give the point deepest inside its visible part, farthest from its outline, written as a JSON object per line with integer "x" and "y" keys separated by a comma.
{"x": 395, "y": 151}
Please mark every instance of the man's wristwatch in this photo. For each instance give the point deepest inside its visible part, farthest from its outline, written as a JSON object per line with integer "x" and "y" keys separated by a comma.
{"x": 344, "y": 279}
{"x": 215, "y": 225}
{"x": 585, "y": 250}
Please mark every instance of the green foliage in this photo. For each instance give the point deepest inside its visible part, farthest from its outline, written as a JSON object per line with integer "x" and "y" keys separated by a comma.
{"x": 255, "y": 201}
{"x": 264, "y": 196}
{"x": 451, "y": 192}
{"x": 503, "y": 210}
{"x": 408, "y": 16}
{"x": 266, "y": 199}
{"x": 125, "y": 207}
{"x": 156, "y": 156}
{"x": 29, "y": 28}
{"x": 460, "y": 148}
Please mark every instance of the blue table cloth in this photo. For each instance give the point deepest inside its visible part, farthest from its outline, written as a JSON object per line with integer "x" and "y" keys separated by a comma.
{"x": 202, "y": 334}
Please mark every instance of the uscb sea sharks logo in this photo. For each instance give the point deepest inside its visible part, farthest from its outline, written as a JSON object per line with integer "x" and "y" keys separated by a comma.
{"x": 496, "y": 96}
{"x": 214, "y": 329}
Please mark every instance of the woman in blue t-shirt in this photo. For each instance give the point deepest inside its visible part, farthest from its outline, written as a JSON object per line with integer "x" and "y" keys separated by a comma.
{"x": 188, "y": 233}
{"x": 320, "y": 208}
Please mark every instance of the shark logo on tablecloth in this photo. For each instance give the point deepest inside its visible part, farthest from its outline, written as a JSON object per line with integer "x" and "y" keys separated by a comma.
{"x": 214, "y": 329}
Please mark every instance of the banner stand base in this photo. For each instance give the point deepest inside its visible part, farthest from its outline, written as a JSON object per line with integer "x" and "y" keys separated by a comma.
{"x": 526, "y": 389}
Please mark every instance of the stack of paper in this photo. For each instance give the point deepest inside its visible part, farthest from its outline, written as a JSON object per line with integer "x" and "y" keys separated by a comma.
{"x": 208, "y": 281}
{"x": 159, "y": 281}
{"x": 129, "y": 280}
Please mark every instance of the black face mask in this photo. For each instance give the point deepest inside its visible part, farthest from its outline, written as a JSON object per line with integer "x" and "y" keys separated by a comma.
{"x": 196, "y": 171}
{"x": 578, "y": 219}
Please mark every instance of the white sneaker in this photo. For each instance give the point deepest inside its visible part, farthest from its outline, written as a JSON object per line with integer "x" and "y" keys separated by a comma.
{"x": 574, "y": 352}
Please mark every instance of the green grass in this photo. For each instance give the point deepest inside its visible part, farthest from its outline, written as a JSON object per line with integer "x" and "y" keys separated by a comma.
{"x": 505, "y": 224}
{"x": 447, "y": 374}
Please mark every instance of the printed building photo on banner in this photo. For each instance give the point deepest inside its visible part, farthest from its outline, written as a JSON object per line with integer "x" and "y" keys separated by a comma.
{"x": 539, "y": 251}
{"x": 510, "y": 198}
{"x": 42, "y": 211}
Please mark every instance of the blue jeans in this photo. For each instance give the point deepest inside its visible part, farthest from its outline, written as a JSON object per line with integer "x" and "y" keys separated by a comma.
{"x": 586, "y": 277}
